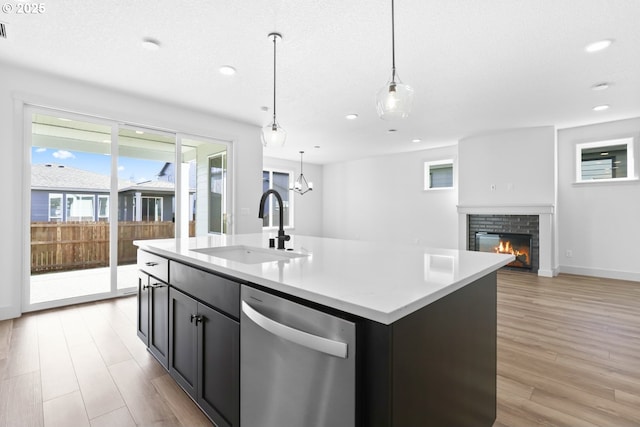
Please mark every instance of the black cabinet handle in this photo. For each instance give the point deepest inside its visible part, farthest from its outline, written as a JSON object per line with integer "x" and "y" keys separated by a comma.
{"x": 150, "y": 264}
{"x": 197, "y": 318}
{"x": 157, "y": 285}
{"x": 144, "y": 287}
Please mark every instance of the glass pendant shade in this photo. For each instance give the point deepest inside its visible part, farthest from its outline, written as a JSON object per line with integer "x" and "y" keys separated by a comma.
{"x": 273, "y": 135}
{"x": 394, "y": 100}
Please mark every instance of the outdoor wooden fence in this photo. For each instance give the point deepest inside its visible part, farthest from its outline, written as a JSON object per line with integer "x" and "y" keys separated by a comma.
{"x": 64, "y": 246}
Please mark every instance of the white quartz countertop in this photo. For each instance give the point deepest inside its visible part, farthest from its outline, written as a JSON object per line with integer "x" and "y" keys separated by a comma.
{"x": 380, "y": 282}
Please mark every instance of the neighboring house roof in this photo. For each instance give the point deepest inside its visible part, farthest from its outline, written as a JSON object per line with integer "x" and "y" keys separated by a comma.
{"x": 55, "y": 177}
{"x": 59, "y": 177}
{"x": 150, "y": 186}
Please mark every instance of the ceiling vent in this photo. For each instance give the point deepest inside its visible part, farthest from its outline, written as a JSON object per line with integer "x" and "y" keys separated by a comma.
{"x": 3, "y": 30}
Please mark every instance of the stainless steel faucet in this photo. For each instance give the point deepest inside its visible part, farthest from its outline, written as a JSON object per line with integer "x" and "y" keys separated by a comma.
{"x": 281, "y": 236}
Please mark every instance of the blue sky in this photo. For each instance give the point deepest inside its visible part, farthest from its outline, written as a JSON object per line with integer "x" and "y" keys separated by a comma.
{"x": 136, "y": 170}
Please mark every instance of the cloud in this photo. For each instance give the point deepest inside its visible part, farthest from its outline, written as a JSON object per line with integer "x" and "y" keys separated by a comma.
{"x": 41, "y": 150}
{"x": 63, "y": 154}
{"x": 120, "y": 168}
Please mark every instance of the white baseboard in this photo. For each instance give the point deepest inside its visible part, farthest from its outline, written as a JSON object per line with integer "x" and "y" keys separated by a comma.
{"x": 9, "y": 313}
{"x": 597, "y": 272}
{"x": 547, "y": 273}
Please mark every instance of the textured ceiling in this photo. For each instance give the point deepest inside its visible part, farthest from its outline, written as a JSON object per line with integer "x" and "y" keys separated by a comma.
{"x": 476, "y": 65}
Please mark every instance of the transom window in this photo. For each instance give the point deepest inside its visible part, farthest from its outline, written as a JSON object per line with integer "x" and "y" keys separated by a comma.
{"x": 605, "y": 160}
{"x": 438, "y": 174}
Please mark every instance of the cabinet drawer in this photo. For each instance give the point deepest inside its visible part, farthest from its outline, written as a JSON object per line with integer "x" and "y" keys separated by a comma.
{"x": 154, "y": 265}
{"x": 220, "y": 293}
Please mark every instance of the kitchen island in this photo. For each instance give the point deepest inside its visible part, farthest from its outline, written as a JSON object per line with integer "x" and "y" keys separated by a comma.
{"x": 425, "y": 318}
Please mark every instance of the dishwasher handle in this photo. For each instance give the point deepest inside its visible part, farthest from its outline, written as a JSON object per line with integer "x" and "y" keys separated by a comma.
{"x": 314, "y": 342}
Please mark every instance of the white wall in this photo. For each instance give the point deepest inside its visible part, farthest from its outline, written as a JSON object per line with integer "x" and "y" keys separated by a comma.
{"x": 382, "y": 199}
{"x": 19, "y": 86}
{"x": 518, "y": 163}
{"x": 599, "y": 223}
{"x": 307, "y": 208}
{"x": 512, "y": 172}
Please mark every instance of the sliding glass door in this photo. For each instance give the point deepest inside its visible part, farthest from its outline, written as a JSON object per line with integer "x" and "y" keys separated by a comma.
{"x": 146, "y": 194}
{"x": 70, "y": 194}
{"x": 96, "y": 186}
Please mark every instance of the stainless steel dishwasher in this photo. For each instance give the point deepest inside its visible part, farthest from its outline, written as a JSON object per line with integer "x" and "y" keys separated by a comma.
{"x": 297, "y": 365}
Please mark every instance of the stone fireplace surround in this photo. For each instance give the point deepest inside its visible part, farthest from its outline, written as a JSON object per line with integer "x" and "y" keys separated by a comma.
{"x": 521, "y": 224}
{"x": 531, "y": 219}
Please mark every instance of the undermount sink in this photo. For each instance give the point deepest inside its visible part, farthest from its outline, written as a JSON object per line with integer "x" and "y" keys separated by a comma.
{"x": 249, "y": 254}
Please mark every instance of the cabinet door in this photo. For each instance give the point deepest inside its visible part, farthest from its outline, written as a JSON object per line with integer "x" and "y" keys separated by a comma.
{"x": 183, "y": 337}
{"x": 218, "y": 363}
{"x": 159, "y": 320}
{"x": 143, "y": 307}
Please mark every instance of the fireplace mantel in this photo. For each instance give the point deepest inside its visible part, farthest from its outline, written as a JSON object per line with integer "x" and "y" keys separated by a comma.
{"x": 524, "y": 209}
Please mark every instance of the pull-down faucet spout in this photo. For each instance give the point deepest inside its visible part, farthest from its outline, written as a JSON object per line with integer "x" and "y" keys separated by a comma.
{"x": 281, "y": 236}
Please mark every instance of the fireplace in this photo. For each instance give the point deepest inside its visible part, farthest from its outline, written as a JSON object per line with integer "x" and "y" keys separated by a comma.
{"x": 519, "y": 245}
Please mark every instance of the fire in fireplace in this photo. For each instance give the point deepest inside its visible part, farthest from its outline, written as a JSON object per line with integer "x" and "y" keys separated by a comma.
{"x": 515, "y": 244}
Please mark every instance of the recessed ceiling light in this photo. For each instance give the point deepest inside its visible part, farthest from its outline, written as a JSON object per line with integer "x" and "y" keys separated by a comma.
{"x": 601, "y": 86}
{"x": 264, "y": 108}
{"x": 227, "y": 70}
{"x": 392, "y": 130}
{"x": 63, "y": 119}
{"x": 598, "y": 46}
{"x": 604, "y": 153}
{"x": 351, "y": 116}
{"x": 139, "y": 132}
{"x": 416, "y": 140}
{"x": 600, "y": 107}
{"x": 316, "y": 146}
{"x": 150, "y": 44}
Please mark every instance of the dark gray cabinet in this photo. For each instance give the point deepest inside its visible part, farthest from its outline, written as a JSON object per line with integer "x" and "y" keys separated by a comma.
{"x": 143, "y": 307}
{"x": 204, "y": 356}
{"x": 159, "y": 320}
{"x": 153, "y": 316}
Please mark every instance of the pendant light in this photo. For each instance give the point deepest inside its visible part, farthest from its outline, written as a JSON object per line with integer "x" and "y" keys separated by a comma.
{"x": 272, "y": 134}
{"x": 301, "y": 185}
{"x": 395, "y": 98}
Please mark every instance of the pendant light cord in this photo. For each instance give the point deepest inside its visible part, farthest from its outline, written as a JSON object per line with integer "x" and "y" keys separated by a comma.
{"x": 393, "y": 45}
{"x": 274, "y": 78}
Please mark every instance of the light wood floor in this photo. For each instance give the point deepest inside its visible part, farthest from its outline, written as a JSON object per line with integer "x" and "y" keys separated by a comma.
{"x": 568, "y": 351}
{"x": 84, "y": 366}
{"x": 568, "y": 354}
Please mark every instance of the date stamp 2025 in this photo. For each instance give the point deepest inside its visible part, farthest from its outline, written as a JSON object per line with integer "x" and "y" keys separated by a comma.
{"x": 20, "y": 8}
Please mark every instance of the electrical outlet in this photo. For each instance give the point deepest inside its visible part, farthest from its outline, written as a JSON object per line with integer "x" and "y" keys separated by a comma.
{"x": 568, "y": 253}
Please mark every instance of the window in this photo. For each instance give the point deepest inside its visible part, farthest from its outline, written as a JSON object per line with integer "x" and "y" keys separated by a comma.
{"x": 55, "y": 207}
{"x": 279, "y": 181}
{"x": 151, "y": 208}
{"x": 103, "y": 208}
{"x": 438, "y": 174}
{"x": 605, "y": 160}
{"x": 80, "y": 207}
